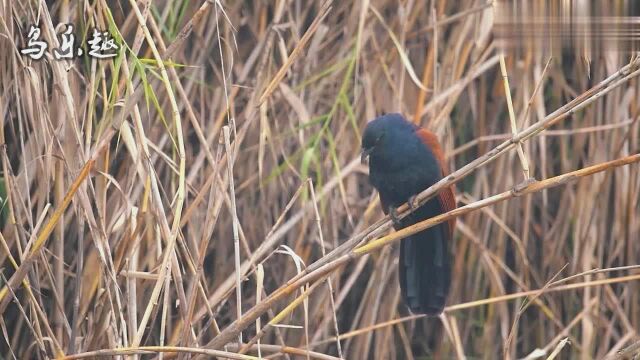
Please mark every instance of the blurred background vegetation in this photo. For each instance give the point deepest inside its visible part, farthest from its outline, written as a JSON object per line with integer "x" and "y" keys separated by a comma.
{"x": 141, "y": 252}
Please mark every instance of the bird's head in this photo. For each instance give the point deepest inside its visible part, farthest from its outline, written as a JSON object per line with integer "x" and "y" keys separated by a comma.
{"x": 382, "y": 132}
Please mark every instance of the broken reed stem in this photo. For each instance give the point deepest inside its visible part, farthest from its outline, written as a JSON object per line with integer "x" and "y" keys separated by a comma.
{"x": 322, "y": 271}
{"x": 234, "y": 224}
{"x": 556, "y": 351}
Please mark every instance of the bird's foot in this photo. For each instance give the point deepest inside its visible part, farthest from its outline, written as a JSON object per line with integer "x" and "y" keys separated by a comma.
{"x": 393, "y": 214}
{"x": 413, "y": 202}
{"x": 519, "y": 188}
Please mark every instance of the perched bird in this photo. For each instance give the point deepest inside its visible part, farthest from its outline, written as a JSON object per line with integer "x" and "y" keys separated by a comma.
{"x": 404, "y": 160}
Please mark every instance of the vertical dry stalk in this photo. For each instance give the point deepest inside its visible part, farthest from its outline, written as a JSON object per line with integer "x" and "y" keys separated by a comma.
{"x": 234, "y": 223}
{"x": 259, "y": 289}
{"x": 512, "y": 118}
{"x": 321, "y": 236}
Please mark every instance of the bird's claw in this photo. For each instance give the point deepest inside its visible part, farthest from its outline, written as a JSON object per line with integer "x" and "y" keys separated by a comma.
{"x": 413, "y": 203}
{"x": 393, "y": 214}
{"x": 518, "y": 188}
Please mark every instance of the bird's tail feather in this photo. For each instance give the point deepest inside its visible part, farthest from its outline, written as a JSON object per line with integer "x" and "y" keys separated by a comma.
{"x": 425, "y": 270}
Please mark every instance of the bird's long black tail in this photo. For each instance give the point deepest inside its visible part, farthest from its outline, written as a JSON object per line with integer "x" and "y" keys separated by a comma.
{"x": 425, "y": 270}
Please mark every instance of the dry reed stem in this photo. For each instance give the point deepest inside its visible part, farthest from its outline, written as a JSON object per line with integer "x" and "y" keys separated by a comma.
{"x": 259, "y": 290}
{"x": 146, "y": 350}
{"x": 234, "y": 216}
{"x": 289, "y": 350}
{"x": 558, "y": 348}
{"x": 512, "y": 118}
{"x": 329, "y": 286}
{"x": 630, "y": 352}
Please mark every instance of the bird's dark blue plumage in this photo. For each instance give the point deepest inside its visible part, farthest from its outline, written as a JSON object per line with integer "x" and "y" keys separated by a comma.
{"x": 404, "y": 160}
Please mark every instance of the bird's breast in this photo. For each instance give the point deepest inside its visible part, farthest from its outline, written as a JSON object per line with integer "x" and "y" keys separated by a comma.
{"x": 397, "y": 185}
{"x": 402, "y": 168}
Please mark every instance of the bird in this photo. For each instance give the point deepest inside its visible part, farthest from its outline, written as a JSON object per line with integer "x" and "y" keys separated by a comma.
{"x": 405, "y": 159}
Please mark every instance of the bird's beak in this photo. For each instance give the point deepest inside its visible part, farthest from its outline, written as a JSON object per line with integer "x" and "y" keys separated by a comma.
{"x": 364, "y": 155}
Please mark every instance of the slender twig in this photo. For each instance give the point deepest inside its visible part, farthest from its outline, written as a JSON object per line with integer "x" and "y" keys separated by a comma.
{"x": 234, "y": 221}
{"x": 330, "y": 286}
{"x": 512, "y": 118}
{"x": 146, "y": 350}
{"x": 259, "y": 289}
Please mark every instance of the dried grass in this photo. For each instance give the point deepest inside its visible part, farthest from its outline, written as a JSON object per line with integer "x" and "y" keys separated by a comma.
{"x": 204, "y": 186}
